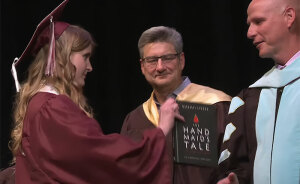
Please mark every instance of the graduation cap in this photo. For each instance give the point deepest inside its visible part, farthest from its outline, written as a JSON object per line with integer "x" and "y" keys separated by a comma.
{"x": 47, "y": 31}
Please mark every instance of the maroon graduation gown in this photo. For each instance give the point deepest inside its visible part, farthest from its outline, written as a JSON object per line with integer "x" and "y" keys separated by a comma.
{"x": 7, "y": 176}
{"x": 61, "y": 144}
{"x": 136, "y": 123}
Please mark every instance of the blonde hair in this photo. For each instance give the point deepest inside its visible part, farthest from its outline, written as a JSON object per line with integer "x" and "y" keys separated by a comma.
{"x": 73, "y": 39}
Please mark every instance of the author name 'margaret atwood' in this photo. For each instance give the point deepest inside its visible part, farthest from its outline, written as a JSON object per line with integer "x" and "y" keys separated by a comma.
{"x": 195, "y": 141}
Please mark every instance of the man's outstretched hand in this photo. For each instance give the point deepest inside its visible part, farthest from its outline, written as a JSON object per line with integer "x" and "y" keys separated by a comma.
{"x": 230, "y": 179}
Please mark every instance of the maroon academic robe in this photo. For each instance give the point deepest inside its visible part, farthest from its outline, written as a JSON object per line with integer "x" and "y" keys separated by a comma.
{"x": 7, "y": 176}
{"x": 137, "y": 122}
{"x": 61, "y": 144}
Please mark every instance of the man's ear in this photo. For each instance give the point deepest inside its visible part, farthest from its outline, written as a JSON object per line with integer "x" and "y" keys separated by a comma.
{"x": 142, "y": 66}
{"x": 290, "y": 16}
{"x": 182, "y": 60}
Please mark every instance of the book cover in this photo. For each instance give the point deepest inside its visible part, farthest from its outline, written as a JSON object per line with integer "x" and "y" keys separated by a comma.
{"x": 195, "y": 141}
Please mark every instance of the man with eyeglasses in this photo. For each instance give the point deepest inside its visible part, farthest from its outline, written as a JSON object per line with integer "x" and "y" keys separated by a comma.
{"x": 162, "y": 61}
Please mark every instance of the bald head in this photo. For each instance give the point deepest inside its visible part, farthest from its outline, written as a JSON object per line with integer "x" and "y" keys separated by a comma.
{"x": 274, "y": 28}
{"x": 268, "y": 5}
{"x": 279, "y": 4}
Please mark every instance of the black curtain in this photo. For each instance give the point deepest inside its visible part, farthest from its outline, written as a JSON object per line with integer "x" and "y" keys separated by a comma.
{"x": 217, "y": 52}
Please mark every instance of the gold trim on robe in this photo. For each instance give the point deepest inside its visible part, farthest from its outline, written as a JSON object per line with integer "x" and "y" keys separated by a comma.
{"x": 192, "y": 93}
{"x": 151, "y": 110}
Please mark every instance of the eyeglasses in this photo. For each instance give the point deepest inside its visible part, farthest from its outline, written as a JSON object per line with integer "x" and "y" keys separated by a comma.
{"x": 152, "y": 60}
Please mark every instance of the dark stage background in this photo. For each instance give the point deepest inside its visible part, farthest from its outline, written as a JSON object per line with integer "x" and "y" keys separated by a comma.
{"x": 217, "y": 51}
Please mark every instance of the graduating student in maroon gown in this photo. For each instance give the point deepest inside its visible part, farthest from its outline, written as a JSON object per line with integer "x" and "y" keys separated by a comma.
{"x": 55, "y": 139}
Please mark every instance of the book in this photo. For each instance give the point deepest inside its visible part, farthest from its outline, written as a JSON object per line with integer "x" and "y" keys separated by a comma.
{"x": 195, "y": 140}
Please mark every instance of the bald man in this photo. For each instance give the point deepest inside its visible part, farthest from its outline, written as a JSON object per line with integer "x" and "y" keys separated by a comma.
{"x": 261, "y": 143}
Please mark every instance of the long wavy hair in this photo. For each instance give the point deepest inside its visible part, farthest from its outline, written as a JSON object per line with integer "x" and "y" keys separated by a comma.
{"x": 73, "y": 39}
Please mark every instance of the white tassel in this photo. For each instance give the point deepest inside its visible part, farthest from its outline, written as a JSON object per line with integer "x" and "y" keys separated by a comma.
{"x": 15, "y": 75}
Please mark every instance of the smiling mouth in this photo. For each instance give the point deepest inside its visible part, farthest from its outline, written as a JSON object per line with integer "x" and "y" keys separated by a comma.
{"x": 257, "y": 44}
{"x": 161, "y": 76}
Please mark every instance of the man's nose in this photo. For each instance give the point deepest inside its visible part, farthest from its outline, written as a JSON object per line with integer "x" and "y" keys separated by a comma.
{"x": 251, "y": 32}
{"x": 160, "y": 64}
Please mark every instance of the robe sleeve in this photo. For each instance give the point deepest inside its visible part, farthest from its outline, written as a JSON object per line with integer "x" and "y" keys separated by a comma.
{"x": 69, "y": 147}
{"x": 239, "y": 143}
{"x": 135, "y": 123}
{"x": 7, "y": 176}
